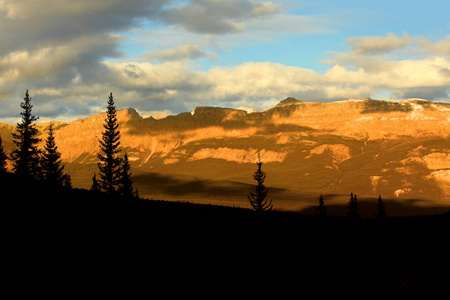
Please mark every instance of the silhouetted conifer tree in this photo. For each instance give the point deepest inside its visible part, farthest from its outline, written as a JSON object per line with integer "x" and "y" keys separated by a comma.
{"x": 3, "y": 157}
{"x": 95, "y": 187}
{"x": 51, "y": 161}
{"x": 110, "y": 165}
{"x": 353, "y": 209}
{"x": 67, "y": 181}
{"x": 125, "y": 184}
{"x": 321, "y": 211}
{"x": 136, "y": 193}
{"x": 26, "y": 156}
{"x": 259, "y": 200}
{"x": 381, "y": 210}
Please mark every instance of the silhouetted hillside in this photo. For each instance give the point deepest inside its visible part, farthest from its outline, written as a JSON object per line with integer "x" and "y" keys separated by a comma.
{"x": 70, "y": 242}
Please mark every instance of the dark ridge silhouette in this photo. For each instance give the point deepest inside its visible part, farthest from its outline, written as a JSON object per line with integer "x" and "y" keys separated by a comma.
{"x": 71, "y": 242}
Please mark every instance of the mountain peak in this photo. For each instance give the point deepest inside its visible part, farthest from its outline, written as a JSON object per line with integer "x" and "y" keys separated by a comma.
{"x": 288, "y": 101}
{"x": 125, "y": 114}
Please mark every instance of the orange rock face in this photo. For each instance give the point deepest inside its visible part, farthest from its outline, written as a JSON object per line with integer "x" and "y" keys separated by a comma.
{"x": 398, "y": 149}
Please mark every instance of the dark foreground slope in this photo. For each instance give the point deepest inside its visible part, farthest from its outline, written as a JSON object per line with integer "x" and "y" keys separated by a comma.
{"x": 69, "y": 243}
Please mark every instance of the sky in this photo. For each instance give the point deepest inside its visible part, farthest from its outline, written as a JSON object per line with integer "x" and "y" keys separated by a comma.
{"x": 164, "y": 57}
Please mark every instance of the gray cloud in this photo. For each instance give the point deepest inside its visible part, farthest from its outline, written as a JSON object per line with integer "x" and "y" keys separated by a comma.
{"x": 429, "y": 93}
{"x": 30, "y": 25}
{"x": 188, "y": 51}
{"x": 53, "y": 47}
{"x": 217, "y": 17}
{"x": 441, "y": 47}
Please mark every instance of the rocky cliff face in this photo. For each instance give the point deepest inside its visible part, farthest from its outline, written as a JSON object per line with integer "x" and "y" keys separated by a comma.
{"x": 395, "y": 148}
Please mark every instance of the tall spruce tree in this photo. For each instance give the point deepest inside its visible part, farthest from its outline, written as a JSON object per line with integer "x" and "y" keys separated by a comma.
{"x": 110, "y": 163}
{"x": 3, "y": 157}
{"x": 51, "y": 161}
{"x": 26, "y": 155}
{"x": 353, "y": 209}
{"x": 258, "y": 200}
{"x": 125, "y": 184}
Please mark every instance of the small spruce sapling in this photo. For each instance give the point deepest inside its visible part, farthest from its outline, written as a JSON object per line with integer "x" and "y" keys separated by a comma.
{"x": 321, "y": 211}
{"x": 258, "y": 200}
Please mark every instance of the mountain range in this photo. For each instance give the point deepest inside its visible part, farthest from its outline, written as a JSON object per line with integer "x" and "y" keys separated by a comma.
{"x": 396, "y": 149}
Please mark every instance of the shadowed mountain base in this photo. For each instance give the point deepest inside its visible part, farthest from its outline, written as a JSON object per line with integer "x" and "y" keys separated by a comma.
{"x": 368, "y": 207}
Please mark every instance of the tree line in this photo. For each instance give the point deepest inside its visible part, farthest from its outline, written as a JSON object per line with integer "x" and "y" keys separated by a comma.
{"x": 44, "y": 165}
{"x": 261, "y": 203}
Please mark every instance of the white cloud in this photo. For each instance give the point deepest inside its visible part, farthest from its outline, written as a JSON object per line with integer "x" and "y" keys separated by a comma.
{"x": 390, "y": 74}
{"x": 175, "y": 86}
{"x": 378, "y": 44}
{"x": 260, "y": 80}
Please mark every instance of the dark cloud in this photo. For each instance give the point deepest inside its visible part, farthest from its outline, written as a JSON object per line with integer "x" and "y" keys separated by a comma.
{"x": 445, "y": 72}
{"x": 216, "y": 17}
{"x": 52, "y": 45}
{"x": 428, "y": 93}
{"x": 188, "y": 51}
{"x": 29, "y": 25}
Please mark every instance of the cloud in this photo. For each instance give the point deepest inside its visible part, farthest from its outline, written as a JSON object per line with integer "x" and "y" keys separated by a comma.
{"x": 39, "y": 63}
{"x": 175, "y": 87}
{"x": 378, "y": 44}
{"x": 435, "y": 93}
{"x": 69, "y": 55}
{"x": 441, "y": 47}
{"x": 188, "y": 51}
{"x": 56, "y": 48}
{"x": 56, "y": 43}
{"x": 216, "y": 17}
{"x": 27, "y": 25}
{"x": 260, "y": 81}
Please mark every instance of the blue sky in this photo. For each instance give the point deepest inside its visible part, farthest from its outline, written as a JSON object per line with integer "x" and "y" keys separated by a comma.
{"x": 163, "y": 57}
{"x": 340, "y": 20}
